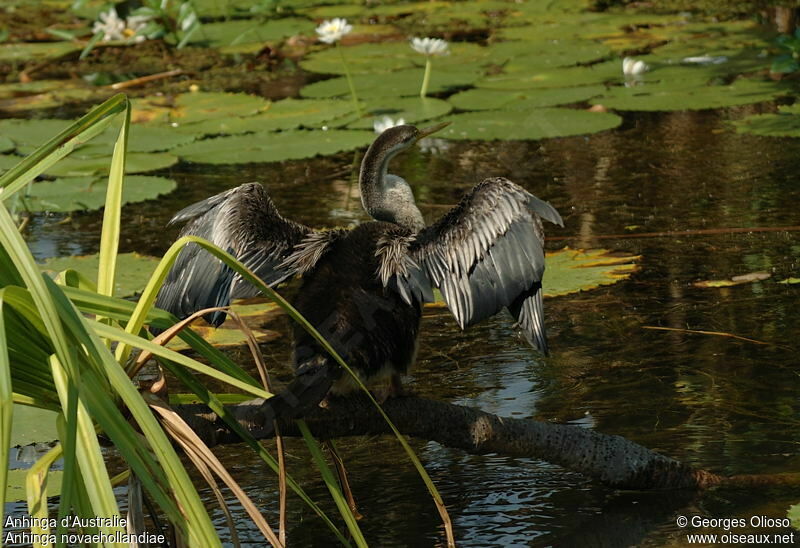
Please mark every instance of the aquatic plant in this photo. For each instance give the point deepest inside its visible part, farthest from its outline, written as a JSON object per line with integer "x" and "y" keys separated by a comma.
{"x": 429, "y": 47}
{"x": 382, "y": 124}
{"x": 330, "y": 32}
{"x": 632, "y": 67}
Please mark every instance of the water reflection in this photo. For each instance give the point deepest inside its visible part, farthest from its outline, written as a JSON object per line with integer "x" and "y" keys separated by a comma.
{"x": 717, "y": 403}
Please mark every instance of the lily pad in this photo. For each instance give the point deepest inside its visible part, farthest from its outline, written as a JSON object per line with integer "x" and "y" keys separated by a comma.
{"x": 770, "y": 125}
{"x": 410, "y": 109}
{"x": 247, "y": 31}
{"x": 89, "y": 193}
{"x": 794, "y": 515}
{"x": 79, "y": 165}
{"x": 531, "y": 124}
{"x": 224, "y": 336}
{"x": 541, "y": 55}
{"x": 16, "y": 490}
{"x": 6, "y": 144}
{"x": 656, "y": 97}
{"x": 272, "y": 147}
{"x": 392, "y": 56}
{"x": 32, "y": 425}
{"x": 573, "y": 270}
{"x": 133, "y": 270}
{"x": 281, "y": 115}
{"x": 554, "y": 78}
{"x": 402, "y": 83}
{"x": 196, "y": 107}
{"x": 22, "y": 96}
{"x": 735, "y": 280}
{"x": 490, "y": 99}
{"x": 7, "y": 161}
{"x": 36, "y": 51}
{"x": 790, "y": 281}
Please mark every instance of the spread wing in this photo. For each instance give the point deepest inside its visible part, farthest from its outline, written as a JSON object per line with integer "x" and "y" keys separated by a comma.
{"x": 484, "y": 255}
{"x": 244, "y": 222}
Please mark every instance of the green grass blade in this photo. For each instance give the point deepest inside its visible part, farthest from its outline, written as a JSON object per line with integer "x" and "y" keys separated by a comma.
{"x": 6, "y": 412}
{"x": 88, "y": 454}
{"x": 333, "y": 485}
{"x": 85, "y": 129}
{"x": 121, "y": 336}
{"x": 109, "y": 237}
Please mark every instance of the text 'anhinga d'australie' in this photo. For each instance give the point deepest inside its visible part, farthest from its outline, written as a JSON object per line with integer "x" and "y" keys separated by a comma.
{"x": 363, "y": 288}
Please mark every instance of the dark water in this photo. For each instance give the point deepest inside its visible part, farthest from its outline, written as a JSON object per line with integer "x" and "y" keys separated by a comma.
{"x": 717, "y": 403}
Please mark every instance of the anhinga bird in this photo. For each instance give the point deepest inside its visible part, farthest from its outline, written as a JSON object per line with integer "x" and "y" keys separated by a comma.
{"x": 363, "y": 289}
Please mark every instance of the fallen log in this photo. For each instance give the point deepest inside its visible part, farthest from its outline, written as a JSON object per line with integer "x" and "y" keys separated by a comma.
{"x": 612, "y": 460}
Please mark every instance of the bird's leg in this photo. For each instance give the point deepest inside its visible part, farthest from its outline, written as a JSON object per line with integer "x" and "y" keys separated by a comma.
{"x": 394, "y": 389}
{"x": 342, "y": 473}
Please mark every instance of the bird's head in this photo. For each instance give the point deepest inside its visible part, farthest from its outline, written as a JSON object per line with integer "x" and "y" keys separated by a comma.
{"x": 388, "y": 197}
{"x": 399, "y": 138}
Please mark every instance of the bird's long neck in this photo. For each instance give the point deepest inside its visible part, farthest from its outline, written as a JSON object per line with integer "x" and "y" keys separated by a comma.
{"x": 384, "y": 196}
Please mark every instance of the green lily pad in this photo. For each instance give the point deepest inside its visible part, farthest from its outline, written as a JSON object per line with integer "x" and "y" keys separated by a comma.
{"x": 770, "y": 125}
{"x": 6, "y": 144}
{"x": 196, "y": 107}
{"x": 392, "y": 56}
{"x": 531, "y": 124}
{"x": 32, "y": 425}
{"x": 794, "y": 515}
{"x": 410, "y": 109}
{"x": 402, "y": 83}
{"x": 790, "y": 281}
{"x": 281, "y": 115}
{"x": 89, "y": 193}
{"x": 23, "y": 96}
{"x": 7, "y": 161}
{"x": 272, "y": 147}
{"x": 31, "y": 132}
{"x": 224, "y": 336}
{"x": 80, "y": 165}
{"x": 248, "y": 31}
{"x": 536, "y": 56}
{"x": 133, "y": 270}
{"x": 37, "y": 51}
{"x": 670, "y": 97}
{"x": 16, "y": 490}
{"x": 790, "y": 109}
{"x": 573, "y": 270}
{"x": 490, "y": 99}
{"x": 554, "y": 78}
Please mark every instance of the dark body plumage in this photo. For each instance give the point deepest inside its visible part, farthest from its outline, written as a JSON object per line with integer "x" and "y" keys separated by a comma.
{"x": 363, "y": 289}
{"x": 373, "y": 329}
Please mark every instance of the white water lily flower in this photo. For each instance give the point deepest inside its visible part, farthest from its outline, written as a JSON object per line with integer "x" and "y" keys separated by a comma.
{"x": 705, "y": 60}
{"x": 136, "y": 23}
{"x": 333, "y": 30}
{"x": 382, "y": 124}
{"x": 110, "y": 24}
{"x": 632, "y": 67}
{"x": 430, "y": 46}
{"x": 434, "y": 145}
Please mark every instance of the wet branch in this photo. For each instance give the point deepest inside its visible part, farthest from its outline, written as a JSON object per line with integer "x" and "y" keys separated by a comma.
{"x": 609, "y": 459}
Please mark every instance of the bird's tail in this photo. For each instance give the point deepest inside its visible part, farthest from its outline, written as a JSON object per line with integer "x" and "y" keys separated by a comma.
{"x": 312, "y": 381}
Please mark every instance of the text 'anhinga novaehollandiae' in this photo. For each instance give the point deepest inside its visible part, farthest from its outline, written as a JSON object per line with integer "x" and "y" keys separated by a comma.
{"x": 363, "y": 289}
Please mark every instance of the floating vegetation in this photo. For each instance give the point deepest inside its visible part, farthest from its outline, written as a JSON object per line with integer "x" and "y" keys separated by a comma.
{"x": 541, "y": 123}
{"x": 133, "y": 270}
{"x": 735, "y": 280}
{"x": 573, "y": 270}
{"x": 89, "y": 193}
{"x": 786, "y": 123}
{"x": 272, "y": 147}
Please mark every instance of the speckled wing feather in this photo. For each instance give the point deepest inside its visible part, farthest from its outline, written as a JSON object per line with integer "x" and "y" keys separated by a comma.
{"x": 484, "y": 255}
{"x": 244, "y": 222}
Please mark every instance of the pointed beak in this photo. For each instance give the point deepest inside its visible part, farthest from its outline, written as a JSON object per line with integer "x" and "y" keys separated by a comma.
{"x": 429, "y": 130}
